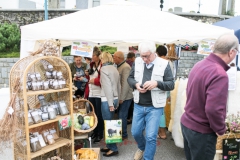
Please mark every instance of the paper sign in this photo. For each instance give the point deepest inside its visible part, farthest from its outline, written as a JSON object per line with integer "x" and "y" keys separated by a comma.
{"x": 205, "y": 47}
{"x": 113, "y": 131}
{"x": 232, "y": 78}
{"x": 84, "y": 49}
{"x": 64, "y": 123}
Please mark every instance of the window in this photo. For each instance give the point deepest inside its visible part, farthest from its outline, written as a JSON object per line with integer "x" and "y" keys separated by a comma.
{"x": 82, "y": 4}
{"x": 96, "y": 3}
{"x": 62, "y": 3}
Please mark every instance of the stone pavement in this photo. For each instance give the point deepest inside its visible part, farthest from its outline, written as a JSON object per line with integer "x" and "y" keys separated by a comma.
{"x": 166, "y": 149}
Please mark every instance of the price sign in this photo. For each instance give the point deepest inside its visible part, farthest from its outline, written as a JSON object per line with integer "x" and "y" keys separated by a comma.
{"x": 230, "y": 149}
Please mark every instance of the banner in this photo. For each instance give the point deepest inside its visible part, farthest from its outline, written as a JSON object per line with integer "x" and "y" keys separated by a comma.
{"x": 205, "y": 47}
{"x": 84, "y": 49}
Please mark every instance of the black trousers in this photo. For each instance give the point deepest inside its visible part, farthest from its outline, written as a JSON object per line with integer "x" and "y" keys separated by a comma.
{"x": 130, "y": 110}
{"x": 96, "y": 102}
{"x": 79, "y": 92}
{"x": 199, "y": 146}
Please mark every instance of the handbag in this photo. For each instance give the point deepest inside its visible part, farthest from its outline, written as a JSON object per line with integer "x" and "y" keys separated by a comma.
{"x": 113, "y": 131}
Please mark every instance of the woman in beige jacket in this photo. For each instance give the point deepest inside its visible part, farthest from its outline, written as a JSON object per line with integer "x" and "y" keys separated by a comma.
{"x": 110, "y": 92}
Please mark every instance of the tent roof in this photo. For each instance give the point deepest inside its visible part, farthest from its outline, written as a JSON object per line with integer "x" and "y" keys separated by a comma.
{"x": 231, "y": 23}
{"x": 121, "y": 22}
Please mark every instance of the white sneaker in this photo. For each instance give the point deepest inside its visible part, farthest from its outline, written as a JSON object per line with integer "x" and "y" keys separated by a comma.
{"x": 138, "y": 155}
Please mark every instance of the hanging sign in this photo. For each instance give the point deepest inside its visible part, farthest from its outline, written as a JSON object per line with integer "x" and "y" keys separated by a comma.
{"x": 205, "y": 47}
{"x": 230, "y": 149}
{"x": 232, "y": 78}
{"x": 80, "y": 48}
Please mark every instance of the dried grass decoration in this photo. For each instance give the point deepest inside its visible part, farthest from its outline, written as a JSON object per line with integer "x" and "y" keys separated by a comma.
{"x": 8, "y": 124}
{"x": 48, "y": 48}
{"x": 171, "y": 55}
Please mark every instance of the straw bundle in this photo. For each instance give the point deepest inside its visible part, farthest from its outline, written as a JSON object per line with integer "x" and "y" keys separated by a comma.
{"x": 8, "y": 123}
{"x": 48, "y": 48}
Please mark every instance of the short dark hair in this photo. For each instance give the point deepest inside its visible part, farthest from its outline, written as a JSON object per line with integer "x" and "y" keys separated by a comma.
{"x": 161, "y": 50}
{"x": 77, "y": 57}
{"x": 131, "y": 55}
{"x": 88, "y": 58}
{"x": 96, "y": 51}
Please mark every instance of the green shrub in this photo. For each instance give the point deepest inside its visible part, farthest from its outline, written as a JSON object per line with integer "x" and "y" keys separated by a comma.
{"x": 9, "y": 38}
{"x": 108, "y": 49}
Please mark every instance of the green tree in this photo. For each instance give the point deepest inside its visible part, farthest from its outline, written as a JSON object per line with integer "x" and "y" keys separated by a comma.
{"x": 9, "y": 37}
{"x": 108, "y": 49}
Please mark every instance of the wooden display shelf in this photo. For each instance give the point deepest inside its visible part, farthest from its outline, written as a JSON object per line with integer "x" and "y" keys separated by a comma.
{"x": 31, "y": 93}
{"x": 58, "y": 143}
{"x": 47, "y": 122}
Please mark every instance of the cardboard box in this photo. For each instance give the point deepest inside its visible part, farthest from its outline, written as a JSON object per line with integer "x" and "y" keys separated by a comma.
{"x": 96, "y": 150}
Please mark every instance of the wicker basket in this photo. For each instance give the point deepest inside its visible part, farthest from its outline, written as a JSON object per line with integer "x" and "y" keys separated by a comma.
{"x": 225, "y": 136}
{"x": 92, "y": 113}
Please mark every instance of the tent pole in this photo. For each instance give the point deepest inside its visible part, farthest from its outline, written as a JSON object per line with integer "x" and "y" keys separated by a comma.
{"x": 46, "y": 10}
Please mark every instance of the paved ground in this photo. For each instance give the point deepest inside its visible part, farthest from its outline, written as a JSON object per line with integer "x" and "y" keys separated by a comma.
{"x": 166, "y": 150}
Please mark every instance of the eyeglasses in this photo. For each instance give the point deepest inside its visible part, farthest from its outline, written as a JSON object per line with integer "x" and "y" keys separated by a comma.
{"x": 237, "y": 52}
{"x": 145, "y": 56}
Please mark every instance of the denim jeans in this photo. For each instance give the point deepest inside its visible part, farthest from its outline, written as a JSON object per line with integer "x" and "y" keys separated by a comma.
{"x": 123, "y": 114}
{"x": 146, "y": 118}
{"x": 96, "y": 102}
{"x": 107, "y": 115}
{"x": 199, "y": 146}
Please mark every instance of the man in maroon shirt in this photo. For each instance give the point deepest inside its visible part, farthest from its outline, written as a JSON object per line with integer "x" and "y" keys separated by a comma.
{"x": 207, "y": 92}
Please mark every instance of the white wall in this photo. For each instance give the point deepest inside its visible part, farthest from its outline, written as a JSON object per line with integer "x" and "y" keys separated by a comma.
{"x": 9, "y": 4}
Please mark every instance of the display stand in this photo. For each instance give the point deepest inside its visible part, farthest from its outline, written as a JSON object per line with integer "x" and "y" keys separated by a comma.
{"x": 64, "y": 146}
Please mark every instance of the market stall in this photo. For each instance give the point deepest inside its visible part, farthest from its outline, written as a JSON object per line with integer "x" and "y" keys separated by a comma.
{"x": 119, "y": 23}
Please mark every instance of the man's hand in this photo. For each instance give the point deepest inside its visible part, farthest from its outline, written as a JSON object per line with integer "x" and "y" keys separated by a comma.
{"x": 149, "y": 85}
{"x": 111, "y": 108}
{"x": 141, "y": 90}
{"x": 75, "y": 79}
{"x": 81, "y": 78}
{"x": 121, "y": 101}
{"x": 91, "y": 81}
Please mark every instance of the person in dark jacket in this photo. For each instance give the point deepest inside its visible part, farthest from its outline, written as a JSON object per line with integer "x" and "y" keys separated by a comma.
{"x": 207, "y": 92}
{"x": 78, "y": 75}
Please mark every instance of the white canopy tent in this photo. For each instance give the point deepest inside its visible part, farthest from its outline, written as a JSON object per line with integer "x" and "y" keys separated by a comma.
{"x": 118, "y": 23}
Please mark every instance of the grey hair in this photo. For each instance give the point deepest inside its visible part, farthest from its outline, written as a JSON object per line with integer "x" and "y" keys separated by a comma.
{"x": 147, "y": 46}
{"x": 225, "y": 43}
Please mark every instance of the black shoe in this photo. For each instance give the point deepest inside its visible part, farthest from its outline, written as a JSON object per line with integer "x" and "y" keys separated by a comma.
{"x": 93, "y": 136}
{"x": 97, "y": 139}
{"x": 104, "y": 150}
{"x": 124, "y": 138}
{"x": 110, "y": 154}
{"x": 129, "y": 121}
